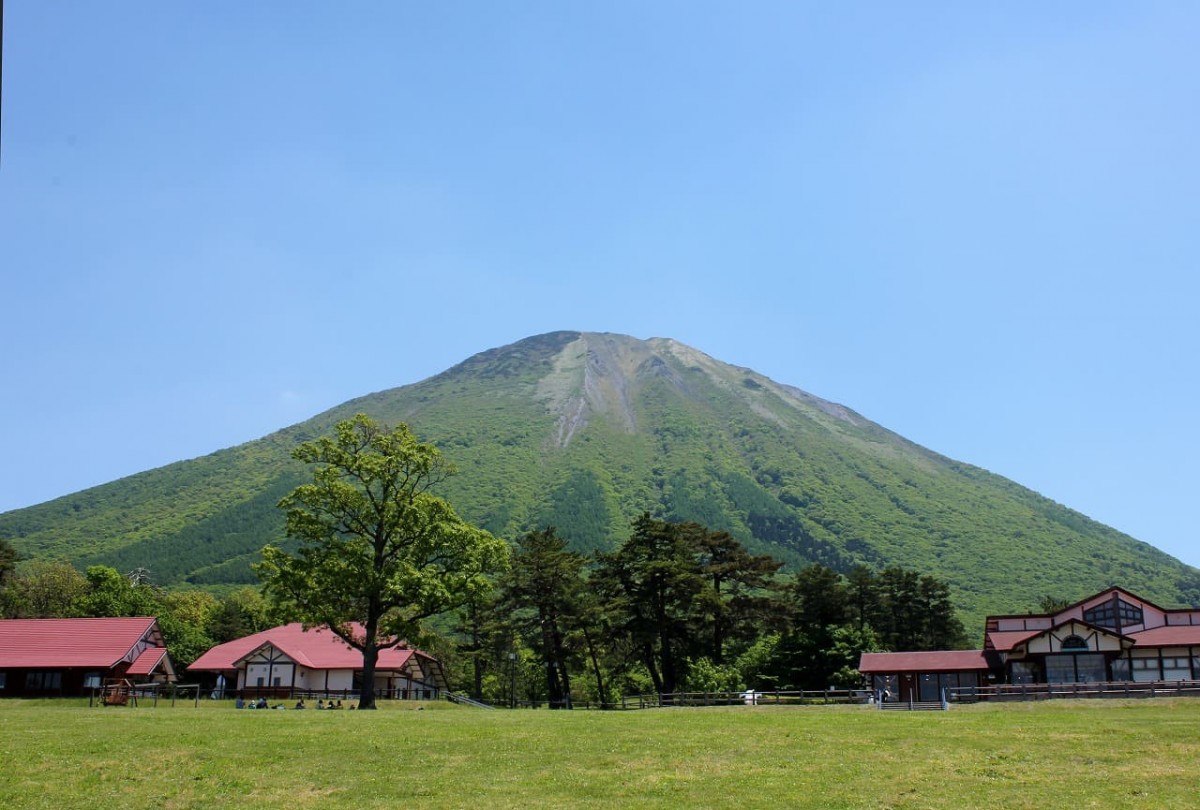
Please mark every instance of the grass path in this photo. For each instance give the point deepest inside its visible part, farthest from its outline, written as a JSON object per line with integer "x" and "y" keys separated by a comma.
{"x": 1078, "y": 754}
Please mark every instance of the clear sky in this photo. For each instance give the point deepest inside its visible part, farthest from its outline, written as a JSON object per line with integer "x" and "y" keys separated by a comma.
{"x": 976, "y": 224}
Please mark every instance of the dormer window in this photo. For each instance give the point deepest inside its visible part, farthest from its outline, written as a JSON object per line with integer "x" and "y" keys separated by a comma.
{"x": 1105, "y": 615}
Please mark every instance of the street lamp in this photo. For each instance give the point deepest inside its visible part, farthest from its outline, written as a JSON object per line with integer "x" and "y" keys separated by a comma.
{"x": 512, "y": 670}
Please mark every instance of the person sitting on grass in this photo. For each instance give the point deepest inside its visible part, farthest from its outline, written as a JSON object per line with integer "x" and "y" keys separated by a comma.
{"x": 300, "y": 703}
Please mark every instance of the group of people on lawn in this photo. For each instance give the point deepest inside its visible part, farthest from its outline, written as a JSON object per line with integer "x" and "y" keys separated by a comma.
{"x": 321, "y": 704}
{"x": 261, "y": 703}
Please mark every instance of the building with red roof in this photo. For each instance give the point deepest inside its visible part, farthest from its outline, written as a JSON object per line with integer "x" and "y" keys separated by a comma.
{"x": 41, "y": 657}
{"x": 289, "y": 660}
{"x": 1111, "y": 636}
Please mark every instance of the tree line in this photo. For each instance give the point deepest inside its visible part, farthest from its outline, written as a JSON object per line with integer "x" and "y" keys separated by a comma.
{"x": 678, "y": 607}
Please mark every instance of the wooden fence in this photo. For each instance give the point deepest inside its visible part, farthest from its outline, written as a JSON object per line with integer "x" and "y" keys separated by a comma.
{"x": 746, "y": 698}
{"x": 1098, "y": 689}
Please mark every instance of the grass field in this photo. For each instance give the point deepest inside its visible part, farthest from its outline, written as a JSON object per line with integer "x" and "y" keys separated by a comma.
{"x": 1077, "y": 754}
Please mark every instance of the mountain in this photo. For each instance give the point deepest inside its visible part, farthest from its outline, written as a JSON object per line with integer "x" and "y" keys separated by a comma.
{"x": 585, "y": 431}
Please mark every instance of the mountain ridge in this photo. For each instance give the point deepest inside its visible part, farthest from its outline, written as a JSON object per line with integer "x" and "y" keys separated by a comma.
{"x": 586, "y": 430}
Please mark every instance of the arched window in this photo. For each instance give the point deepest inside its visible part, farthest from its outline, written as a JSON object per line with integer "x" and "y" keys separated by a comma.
{"x": 1074, "y": 642}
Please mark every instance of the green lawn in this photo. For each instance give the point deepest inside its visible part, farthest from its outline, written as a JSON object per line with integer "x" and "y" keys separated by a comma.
{"x": 1077, "y": 754}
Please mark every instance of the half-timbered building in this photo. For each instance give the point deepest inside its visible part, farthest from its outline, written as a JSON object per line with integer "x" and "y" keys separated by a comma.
{"x": 290, "y": 660}
{"x": 1112, "y": 636}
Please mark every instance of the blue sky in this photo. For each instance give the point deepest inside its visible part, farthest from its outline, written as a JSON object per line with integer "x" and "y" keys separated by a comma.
{"x": 975, "y": 224}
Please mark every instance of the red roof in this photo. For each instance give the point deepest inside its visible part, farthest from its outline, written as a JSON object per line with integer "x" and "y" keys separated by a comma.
{"x": 1171, "y": 635}
{"x": 65, "y": 643}
{"x": 147, "y": 662}
{"x": 1005, "y": 640}
{"x": 317, "y": 648}
{"x": 936, "y": 661}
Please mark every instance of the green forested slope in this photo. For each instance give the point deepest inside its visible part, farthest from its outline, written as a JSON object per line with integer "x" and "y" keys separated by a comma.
{"x": 586, "y": 431}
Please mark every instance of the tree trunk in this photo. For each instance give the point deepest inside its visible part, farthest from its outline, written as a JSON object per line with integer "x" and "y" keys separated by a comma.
{"x": 554, "y": 692}
{"x": 651, "y": 665}
{"x": 366, "y": 695}
{"x": 478, "y": 679}
{"x": 600, "y": 688}
{"x": 718, "y": 634}
{"x": 560, "y": 661}
{"x": 670, "y": 675}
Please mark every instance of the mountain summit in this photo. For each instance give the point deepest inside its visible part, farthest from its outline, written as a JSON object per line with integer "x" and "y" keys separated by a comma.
{"x": 585, "y": 431}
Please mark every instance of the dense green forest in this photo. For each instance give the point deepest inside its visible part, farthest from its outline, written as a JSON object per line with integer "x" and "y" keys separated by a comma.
{"x": 678, "y": 607}
{"x": 586, "y": 432}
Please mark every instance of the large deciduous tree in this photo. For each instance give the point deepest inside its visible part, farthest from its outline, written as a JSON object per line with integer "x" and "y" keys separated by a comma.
{"x": 378, "y": 553}
{"x": 44, "y": 590}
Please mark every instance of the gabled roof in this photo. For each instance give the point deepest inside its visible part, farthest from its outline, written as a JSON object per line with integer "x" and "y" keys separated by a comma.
{"x": 1108, "y": 592}
{"x": 318, "y": 648}
{"x": 1005, "y": 640}
{"x": 1074, "y": 626}
{"x": 148, "y": 661}
{"x": 67, "y": 643}
{"x": 936, "y": 661}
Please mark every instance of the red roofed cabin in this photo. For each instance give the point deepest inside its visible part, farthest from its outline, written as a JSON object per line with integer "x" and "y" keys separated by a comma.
{"x": 67, "y": 657}
{"x": 1113, "y": 636}
{"x": 921, "y": 676}
{"x": 290, "y": 660}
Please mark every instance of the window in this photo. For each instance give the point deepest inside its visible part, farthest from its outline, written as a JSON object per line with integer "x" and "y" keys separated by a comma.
{"x": 1074, "y": 642}
{"x": 1176, "y": 669}
{"x": 1024, "y": 672}
{"x": 1104, "y": 616}
{"x": 1082, "y": 668}
{"x": 43, "y": 681}
{"x": 3, "y": 679}
{"x": 888, "y": 683}
{"x": 1120, "y": 669}
{"x": 1145, "y": 669}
